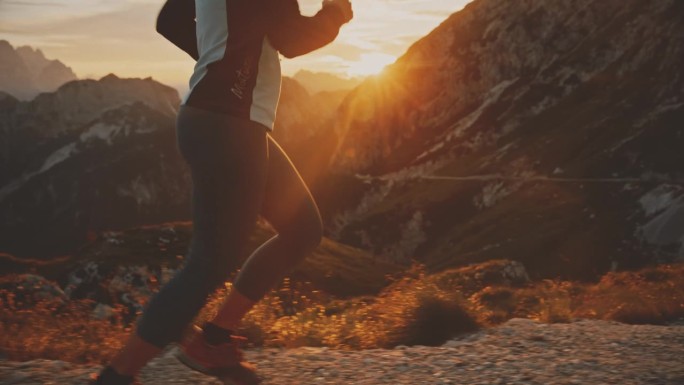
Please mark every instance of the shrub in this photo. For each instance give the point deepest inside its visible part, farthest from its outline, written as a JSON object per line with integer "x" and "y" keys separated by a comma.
{"x": 435, "y": 320}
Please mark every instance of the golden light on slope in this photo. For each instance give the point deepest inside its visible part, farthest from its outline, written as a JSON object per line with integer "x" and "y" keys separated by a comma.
{"x": 370, "y": 64}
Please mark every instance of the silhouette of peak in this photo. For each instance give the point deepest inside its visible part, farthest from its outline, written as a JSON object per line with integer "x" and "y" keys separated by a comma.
{"x": 27, "y": 50}
{"x": 109, "y": 77}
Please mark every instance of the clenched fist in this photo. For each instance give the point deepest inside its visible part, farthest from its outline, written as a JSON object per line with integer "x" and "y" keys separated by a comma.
{"x": 343, "y": 5}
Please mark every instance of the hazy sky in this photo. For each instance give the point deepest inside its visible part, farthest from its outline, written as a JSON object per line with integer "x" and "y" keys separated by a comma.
{"x": 96, "y": 37}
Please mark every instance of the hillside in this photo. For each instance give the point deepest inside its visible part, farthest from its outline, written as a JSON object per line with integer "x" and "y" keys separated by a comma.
{"x": 497, "y": 136}
{"x": 547, "y": 132}
{"x": 528, "y": 154}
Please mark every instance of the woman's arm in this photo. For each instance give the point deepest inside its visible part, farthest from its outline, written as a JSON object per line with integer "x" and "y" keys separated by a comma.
{"x": 176, "y": 22}
{"x": 293, "y": 34}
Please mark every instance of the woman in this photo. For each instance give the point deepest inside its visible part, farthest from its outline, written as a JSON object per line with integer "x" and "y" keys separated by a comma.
{"x": 238, "y": 172}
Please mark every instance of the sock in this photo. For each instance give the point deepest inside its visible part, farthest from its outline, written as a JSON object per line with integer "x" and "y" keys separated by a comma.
{"x": 109, "y": 376}
{"x": 215, "y": 335}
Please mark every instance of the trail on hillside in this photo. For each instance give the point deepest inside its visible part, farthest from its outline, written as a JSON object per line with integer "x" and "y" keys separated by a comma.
{"x": 532, "y": 178}
{"x": 520, "y": 352}
{"x": 540, "y": 178}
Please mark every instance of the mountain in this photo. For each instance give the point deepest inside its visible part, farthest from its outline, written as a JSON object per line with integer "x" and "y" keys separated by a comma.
{"x": 101, "y": 155}
{"x": 93, "y": 155}
{"x": 545, "y": 131}
{"x": 26, "y": 72}
{"x": 41, "y": 124}
{"x": 316, "y": 82}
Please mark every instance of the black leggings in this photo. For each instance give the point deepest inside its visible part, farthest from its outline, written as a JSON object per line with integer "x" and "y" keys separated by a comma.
{"x": 238, "y": 172}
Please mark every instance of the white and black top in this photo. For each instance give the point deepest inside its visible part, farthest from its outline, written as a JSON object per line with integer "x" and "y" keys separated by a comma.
{"x": 236, "y": 45}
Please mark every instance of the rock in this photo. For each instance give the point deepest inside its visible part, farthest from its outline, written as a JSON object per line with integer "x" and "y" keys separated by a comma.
{"x": 28, "y": 289}
{"x": 515, "y": 272}
{"x": 103, "y": 311}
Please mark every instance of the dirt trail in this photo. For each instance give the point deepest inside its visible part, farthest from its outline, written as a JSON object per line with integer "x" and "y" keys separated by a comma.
{"x": 519, "y": 352}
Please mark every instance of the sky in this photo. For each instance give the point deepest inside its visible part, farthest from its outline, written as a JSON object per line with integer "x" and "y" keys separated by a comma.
{"x": 97, "y": 37}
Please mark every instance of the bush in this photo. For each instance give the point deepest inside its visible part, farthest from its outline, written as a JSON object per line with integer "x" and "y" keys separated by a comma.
{"x": 436, "y": 320}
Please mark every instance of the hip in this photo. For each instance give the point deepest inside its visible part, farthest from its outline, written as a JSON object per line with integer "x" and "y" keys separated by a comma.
{"x": 208, "y": 137}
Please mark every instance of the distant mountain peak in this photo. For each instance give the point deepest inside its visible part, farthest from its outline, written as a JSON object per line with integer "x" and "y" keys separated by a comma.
{"x": 108, "y": 77}
{"x": 25, "y": 71}
{"x": 30, "y": 50}
{"x": 316, "y": 82}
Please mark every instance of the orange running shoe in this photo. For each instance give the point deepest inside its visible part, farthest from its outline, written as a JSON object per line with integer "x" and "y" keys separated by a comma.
{"x": 225, "y": 361}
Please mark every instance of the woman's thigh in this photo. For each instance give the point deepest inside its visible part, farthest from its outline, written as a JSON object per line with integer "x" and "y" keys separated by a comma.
{"x": 228, "y": 164}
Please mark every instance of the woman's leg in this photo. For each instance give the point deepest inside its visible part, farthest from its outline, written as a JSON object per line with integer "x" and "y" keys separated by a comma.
{"x": 228, "y": 162}
{"x": 292, "y": 211}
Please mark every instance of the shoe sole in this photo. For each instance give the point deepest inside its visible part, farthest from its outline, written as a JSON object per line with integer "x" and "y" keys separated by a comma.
{"x": 196, "y": 366}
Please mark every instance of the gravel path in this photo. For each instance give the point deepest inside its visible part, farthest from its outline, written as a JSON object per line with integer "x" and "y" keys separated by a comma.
{"x": 519, "y": 352}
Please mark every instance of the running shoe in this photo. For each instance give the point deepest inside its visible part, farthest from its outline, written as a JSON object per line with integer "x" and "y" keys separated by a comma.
{"x": 225, "y": 361}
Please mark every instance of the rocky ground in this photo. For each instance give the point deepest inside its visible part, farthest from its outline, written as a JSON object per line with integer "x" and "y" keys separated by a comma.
{"x": 520, "y": 352}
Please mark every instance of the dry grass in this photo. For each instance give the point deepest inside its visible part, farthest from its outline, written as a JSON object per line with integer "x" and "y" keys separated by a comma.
{"x": 410, "y": 311}
{"x": 415, "y": 309}
{"x": 57, "y": 331}
{"x": 654, "y": 295}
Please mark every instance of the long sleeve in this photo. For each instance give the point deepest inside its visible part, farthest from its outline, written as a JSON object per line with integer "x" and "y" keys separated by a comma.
{"x": 293, "y": 34}
{"x": 176, "y": 22}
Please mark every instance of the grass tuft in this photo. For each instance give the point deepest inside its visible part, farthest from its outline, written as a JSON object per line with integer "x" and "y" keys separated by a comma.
{"x": 436, "y": 320}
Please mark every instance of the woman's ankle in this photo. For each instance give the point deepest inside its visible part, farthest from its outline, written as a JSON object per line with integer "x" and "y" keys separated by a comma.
{"x": 135, "y": 354}
{"x": 234, "y": 308}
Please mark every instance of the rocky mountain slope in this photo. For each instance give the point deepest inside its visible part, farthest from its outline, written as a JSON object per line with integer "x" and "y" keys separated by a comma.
{"x": 101, "y": 154}
{"x": 25, "y": 72}
{"x": 93, "y": 155}
{"x": 548, "y": 132}
{"x": 518, "y": 352}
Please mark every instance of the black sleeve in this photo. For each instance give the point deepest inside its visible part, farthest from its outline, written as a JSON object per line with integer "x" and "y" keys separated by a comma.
{"x": 293, "y": 34}
{"x": 176, "y": 22}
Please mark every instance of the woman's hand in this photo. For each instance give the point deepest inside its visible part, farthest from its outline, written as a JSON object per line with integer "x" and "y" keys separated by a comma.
{"x": 343, "y": 5}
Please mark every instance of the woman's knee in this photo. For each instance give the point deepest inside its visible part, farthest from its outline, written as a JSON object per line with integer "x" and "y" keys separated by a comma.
{"x": 305, "y": 233}
{"x": 207, "y": 274}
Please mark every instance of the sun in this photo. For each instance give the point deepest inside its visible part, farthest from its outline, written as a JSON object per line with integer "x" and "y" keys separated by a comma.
{"x": 370, "y": 64}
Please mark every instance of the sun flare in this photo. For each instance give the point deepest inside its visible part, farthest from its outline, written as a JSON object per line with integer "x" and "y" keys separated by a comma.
{"x": 370, "y": 64}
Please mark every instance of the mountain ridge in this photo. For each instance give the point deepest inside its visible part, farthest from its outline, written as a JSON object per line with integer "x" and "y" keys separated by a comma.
{"x": 26, "y": 72}
{"x": 316, "y": 82}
